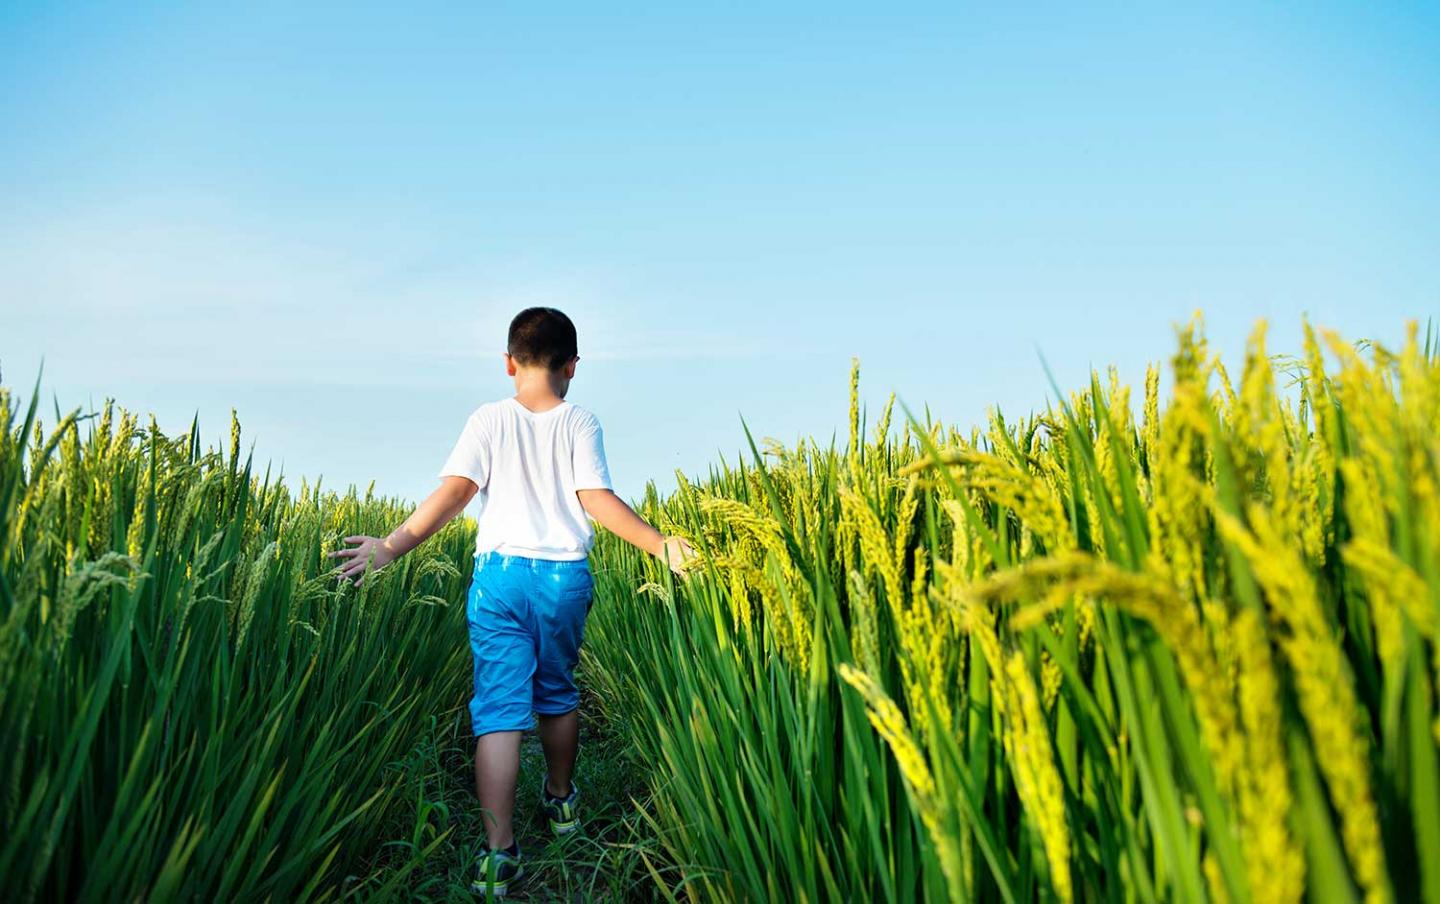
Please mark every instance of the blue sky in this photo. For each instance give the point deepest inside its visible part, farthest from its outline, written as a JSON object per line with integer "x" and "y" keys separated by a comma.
{"x": 325, "y": 217}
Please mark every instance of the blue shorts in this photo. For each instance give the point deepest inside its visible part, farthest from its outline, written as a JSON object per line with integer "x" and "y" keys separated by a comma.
{"x": 526, "y": 620}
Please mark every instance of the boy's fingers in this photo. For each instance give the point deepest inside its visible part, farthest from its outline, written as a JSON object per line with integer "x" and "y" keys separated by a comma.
{"x": 355, "y": 539}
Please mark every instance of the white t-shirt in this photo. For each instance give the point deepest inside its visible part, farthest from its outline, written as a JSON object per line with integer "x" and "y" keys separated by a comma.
{"x": 528, "y": 465}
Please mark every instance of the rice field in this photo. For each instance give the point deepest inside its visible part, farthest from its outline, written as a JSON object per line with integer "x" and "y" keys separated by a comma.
{"x": 1123, "y": 650}
{"x": 1130, "y": 648}
{"x": 192, "y": 708}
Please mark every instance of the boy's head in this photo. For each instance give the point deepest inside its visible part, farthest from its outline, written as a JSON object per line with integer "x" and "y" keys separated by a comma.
{"x": 542, "y": 338}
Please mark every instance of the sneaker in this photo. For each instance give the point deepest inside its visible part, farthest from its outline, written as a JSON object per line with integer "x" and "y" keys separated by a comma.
{"x": 496, "y": 871}
{"x": 562, "y": 813}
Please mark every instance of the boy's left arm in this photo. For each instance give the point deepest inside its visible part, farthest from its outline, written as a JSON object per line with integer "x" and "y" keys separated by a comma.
{"x": 618, "y": 518}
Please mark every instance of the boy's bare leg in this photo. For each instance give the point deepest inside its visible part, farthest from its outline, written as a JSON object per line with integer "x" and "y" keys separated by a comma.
{"x": 497, "y": 763}
{"x": 560, "y": 737}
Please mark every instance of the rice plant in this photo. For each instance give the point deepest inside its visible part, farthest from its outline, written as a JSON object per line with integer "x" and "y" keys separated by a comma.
{"x": 1114, "y": 651}
{"x": 190, "y": 706}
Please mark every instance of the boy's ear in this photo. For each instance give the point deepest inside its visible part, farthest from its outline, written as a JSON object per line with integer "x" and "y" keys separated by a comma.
{"x": 509, "y": 365}
{"x": 570, "y": 367}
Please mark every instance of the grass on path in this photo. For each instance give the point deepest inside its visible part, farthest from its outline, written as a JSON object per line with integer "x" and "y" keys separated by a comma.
{"x": 432, "y": 855}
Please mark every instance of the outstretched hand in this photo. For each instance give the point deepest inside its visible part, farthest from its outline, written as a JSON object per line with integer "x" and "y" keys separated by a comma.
{"x": 679, "y": 554}
{"x": 366, "y": 555}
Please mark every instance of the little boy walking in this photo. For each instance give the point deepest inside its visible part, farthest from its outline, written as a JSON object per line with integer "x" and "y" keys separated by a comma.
{"x": 538, "y": 465}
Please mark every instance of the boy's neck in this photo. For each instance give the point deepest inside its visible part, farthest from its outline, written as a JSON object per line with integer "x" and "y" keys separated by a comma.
{"x": 540, "y": 390}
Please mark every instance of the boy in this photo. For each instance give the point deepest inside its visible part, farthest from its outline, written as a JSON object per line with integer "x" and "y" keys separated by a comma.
{"x": 538, "y": 463}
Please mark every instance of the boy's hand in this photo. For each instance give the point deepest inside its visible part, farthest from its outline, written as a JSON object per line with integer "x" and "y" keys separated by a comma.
{"x": 368, "y": 554}
{"x": 679, "y": 553}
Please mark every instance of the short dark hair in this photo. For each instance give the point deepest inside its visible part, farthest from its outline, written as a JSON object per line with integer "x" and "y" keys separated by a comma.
{"x": 542, "y": 337}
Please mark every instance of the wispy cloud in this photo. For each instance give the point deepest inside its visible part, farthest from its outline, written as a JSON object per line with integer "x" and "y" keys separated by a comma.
{"x": 186, "y": 293}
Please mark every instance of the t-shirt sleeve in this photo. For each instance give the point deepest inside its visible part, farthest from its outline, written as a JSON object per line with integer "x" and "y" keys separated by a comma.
{"x": 471, "y": 455}
{"x": 591, "y": 471}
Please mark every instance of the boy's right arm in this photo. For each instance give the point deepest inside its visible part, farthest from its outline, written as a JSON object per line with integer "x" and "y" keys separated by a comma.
{"x": 612, "y": 513}
{"x": 373, "y": 553}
